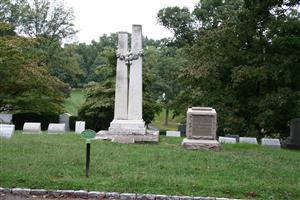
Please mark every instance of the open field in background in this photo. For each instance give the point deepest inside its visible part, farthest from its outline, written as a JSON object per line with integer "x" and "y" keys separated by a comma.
{"x": 75, "y": 100}
{"x": 159, "y": 121}
{"x": 236, "y": 171}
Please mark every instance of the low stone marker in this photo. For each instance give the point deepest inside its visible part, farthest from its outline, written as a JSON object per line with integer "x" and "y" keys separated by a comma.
{"x": 6, "y": 118}
{"x": 173, "y": 133}
{"x": 54, "y": 128}
{"x": 270, "y": 142}
{"x": 65, "y": 119}
{"x": 7, "y": 130}
{"x": 250, "y": 140}
{"x": 237, "y": 137}
{"x": 79, "y": 126}
{"x": 32, "y": 128}
{"x": 227, "y": 140}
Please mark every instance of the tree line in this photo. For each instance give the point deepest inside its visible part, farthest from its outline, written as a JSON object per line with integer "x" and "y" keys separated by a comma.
{"x": 239, "y": 56}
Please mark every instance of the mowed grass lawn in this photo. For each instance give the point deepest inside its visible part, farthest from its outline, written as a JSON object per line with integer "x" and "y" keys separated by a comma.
{"x": 236, "y": 171}
{"x": 75, "y": 100}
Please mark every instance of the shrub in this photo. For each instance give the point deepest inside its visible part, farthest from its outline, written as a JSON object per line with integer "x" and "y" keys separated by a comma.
{"x": 44, "y": 118}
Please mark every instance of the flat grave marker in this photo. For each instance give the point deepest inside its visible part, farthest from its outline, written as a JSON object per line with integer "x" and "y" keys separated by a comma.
{"x": 55, "y": 128}
{"x": 173, "y": 133}
{"x": 271, "y": 142}
{"x": 7, "y": 130}
{"x": 250, "y": 140}
{"x": 32, "y": 128}
{"x": 227, "y": 140}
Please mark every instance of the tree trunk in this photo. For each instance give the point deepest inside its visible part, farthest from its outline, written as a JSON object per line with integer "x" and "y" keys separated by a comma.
{"x": 167, "y": 117}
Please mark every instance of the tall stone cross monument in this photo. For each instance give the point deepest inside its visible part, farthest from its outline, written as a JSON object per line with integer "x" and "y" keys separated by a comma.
{"x": 128, "y": 114}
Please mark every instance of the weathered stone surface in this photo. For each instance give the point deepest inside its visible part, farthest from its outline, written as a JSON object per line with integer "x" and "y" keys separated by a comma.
{"x": 145, "y": 197}
{"x": 185, "y": 198}
{"x": 113, "y": 195}
{"x": 227, "y": 140}
{"x": 95, "y": 194}
{"x": 250, "y": 140}
{"x": 174, "y": 197}
{"x": 5, "y": 190}
{"x": 194, "y": 144}
{"x": 7, "y": 130}
{"x": 5, "y": 118}
{"x": 55, "y": 128}
{"x": 81, "y": 193}
{"x": 135, "y": 93}
{"x": 129, "y": 127}
{"x": 293, "y": 141}
{"x": 121, "y": 91}
{"x": 270, "y": 142}
{"x": 123, "y": 139}
{"x": 32, "y": 128}
{"x": 127, "y": 196}
{"x": 79, "y": 126}
{"x": 55, "y": 193}
{"x": 160, "y": 197}
{"x": 173, "y": 134}
{"x": 38, "y": 192}
{"x": 204, "y": 198}
{"x": 149, "y": 137}
{"x": 128, "y": 99}
{"x": 65, "y": 119}
{"x": 201, "y": 123}
{"x": 20, "y": 191}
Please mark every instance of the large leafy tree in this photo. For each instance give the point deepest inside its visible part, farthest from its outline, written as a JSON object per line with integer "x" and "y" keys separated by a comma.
{"x": 26, "y": 85}
{"x": 242, "y": 61}
{"x": 48, "y": 22}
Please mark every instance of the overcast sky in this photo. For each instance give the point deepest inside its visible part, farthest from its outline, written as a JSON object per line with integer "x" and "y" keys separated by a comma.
{"x": 96, "y": 17}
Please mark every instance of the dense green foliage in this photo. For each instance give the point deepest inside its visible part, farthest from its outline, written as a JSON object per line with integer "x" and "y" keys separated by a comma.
{"x": 26, "y": 84}
{"x": 240, "y": 171}
{"x": 243, "y": 60}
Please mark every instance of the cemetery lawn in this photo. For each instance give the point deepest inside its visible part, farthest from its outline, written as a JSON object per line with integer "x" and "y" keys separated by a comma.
{"x": 159, "y": 121}
{"x": 236, "y": 171}
{"x": 75, "y": 100}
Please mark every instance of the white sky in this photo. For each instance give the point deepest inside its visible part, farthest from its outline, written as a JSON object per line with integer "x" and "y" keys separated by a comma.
{"x": 96, "y": 17}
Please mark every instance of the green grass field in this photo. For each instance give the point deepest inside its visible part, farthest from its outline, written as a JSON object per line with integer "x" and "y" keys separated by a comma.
{"x": 236, "y": 171}
{"x": 159, "y": 120}
{"x": 75, "y": 100}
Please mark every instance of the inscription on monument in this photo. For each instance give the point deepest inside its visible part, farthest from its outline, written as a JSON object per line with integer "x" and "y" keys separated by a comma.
{"x": 202, "y": 125}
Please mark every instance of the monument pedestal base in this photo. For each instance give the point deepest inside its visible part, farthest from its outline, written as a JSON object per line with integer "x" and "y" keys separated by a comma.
{"x": 149, "y": 137}
{"x": 127, "y": 127}
{"x": 199, "y": 144}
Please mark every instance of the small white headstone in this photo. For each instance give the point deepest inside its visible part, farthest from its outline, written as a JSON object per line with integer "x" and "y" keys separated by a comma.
{"x": 251, "y": 140}
{"x": 173, "y": 134}
{"x": 6, "y": 118}
{"x": 270, "y": 142}
{"x": 7, "y": 130}
{"x": 227, "y": 140}
{"x": 79, "y": 126}
{"x": 56, "y": 128}
{"x": 32, "y": 127}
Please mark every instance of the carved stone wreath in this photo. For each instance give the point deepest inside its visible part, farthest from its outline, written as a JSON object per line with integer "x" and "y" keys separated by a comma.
{"x": 130, "y": 56}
